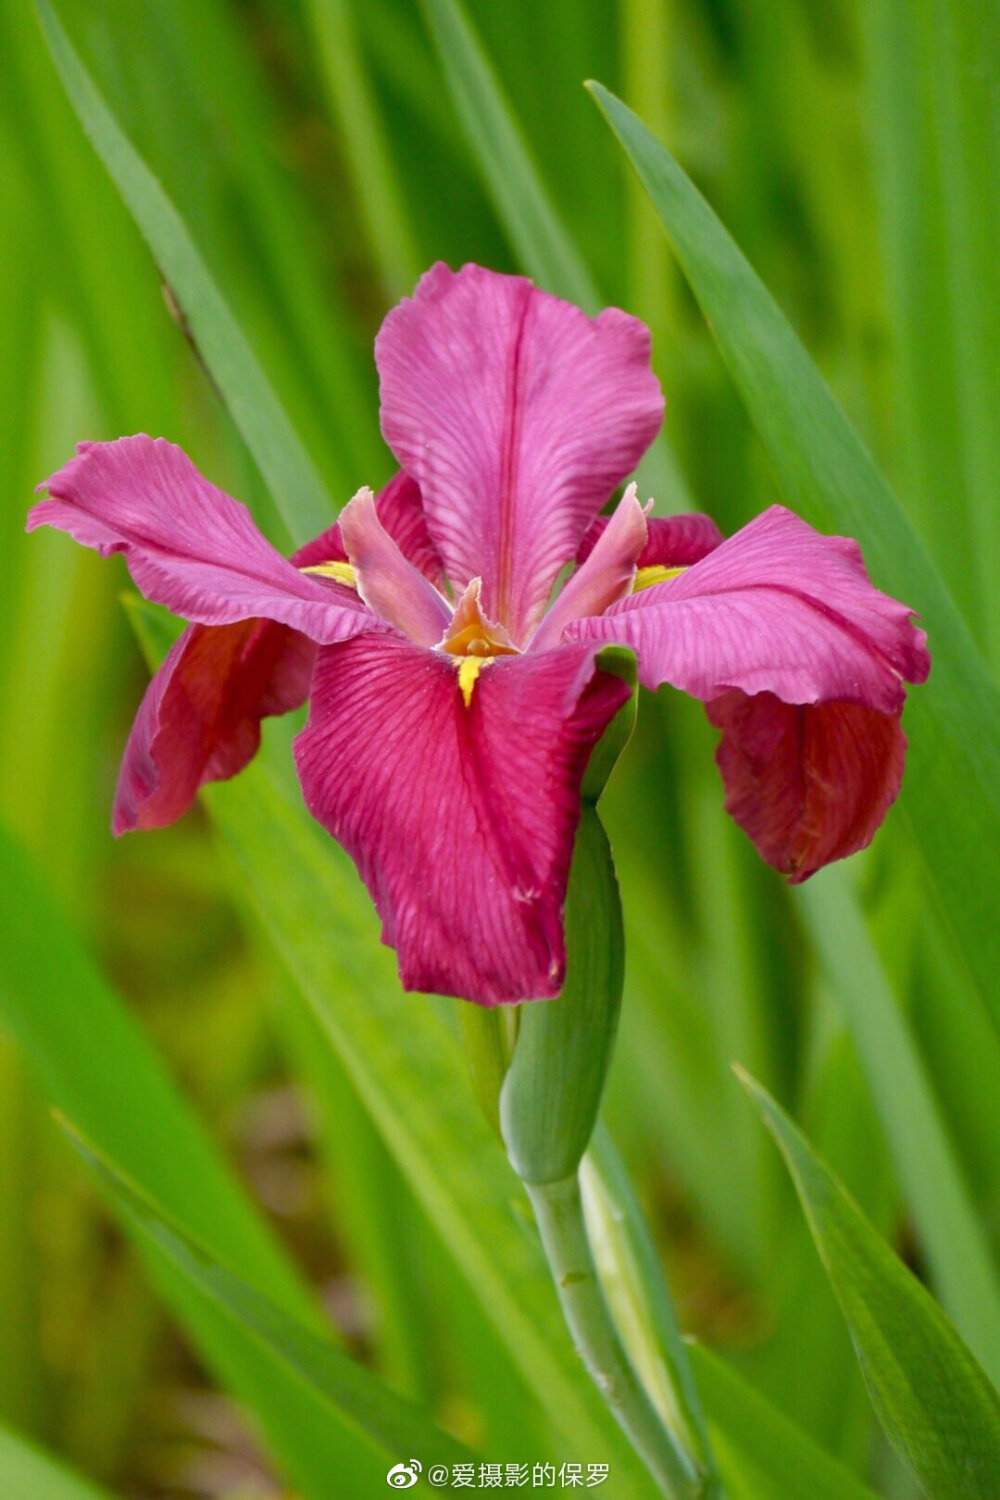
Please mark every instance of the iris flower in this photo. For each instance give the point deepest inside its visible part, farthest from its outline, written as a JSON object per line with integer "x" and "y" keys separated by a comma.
{"x": 455, "y": 694}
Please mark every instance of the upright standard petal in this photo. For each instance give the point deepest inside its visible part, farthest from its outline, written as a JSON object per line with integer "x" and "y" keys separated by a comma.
{"x": 459, "y": 815}
{"x": 188, "y": 545}
{"x": 801, "y": 663}
{"x": 517, "y": 415}
{"x": 200, "y": 718}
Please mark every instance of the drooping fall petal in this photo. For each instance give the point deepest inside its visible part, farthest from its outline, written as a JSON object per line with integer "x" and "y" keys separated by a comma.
{"x": 517, "y": 415}
{"x": 200, "y": 718}
{"x": 188, "y": 545}
{"x": 460, "y": 817}
{"x": 671, "y": 541}
{"x": 777, "y": 608}
{"x": 809, "y": 783}
{"x": 801, "y": 663}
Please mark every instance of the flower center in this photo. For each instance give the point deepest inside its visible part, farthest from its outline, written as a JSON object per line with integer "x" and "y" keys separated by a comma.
{"x": 471, "y": 633}
{"x": 476, "y": 639}
{"x": 473, "y": 640}
{"x": 474, "y": 647}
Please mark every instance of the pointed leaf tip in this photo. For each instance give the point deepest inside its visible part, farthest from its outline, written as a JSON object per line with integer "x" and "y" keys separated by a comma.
{"x": 937, "y": 1407}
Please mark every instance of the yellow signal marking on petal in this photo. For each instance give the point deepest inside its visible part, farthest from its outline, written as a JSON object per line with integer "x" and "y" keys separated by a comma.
{"x": 646, "y": 577}
{"x": 469, "y": 668}
{"x": 340, "y": 572}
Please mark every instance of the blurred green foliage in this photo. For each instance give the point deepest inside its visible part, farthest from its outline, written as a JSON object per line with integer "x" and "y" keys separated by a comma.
{"x": 320, "y": 159}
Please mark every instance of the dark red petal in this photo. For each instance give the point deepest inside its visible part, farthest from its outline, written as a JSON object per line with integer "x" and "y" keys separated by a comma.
{"x": 460, "y": 818}
{"x": 200, "y": 718}
{"x": 809, "y": 783}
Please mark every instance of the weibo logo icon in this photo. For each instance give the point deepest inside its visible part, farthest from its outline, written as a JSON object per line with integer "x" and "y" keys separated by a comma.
{"x": 404, "y": 1476}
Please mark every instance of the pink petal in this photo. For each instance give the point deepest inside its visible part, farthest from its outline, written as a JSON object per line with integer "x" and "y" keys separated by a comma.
{"x": 777, "y": 608}
{"x": 461, "y": 819}
{"x": 808, "y": 783}
{"x": 389, "y": 584}
{"x": 187, "y": 544}
{"x": 607, "y": 574}
{"x": 200, "y": 718}
{"x": 517, "y": 416}
{"x": 400, "y": 510}
{"x": 671, "y": 541}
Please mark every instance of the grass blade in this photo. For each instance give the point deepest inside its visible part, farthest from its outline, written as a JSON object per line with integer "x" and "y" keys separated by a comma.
{"x": 283, "y": 461}
{"x": 509, "y": 174}
{"x": 26, "y": 1473}
{"x": 390, "y": 1424}
{"x": 354, "y": 106}
{"x": 522, "y": 203}
{"x": 934, "y": 106}
{"x": 930, "y": 1176}
{"x": 826, "y": 474}
{"x": 937, "y": 1406}
{"x": 763, "y": 1454}
{"x": 96, "y": 1067}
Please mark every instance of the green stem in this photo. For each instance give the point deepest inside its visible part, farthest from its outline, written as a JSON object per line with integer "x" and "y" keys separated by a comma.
{"x": 639, "y": 1300}
{"x": 559, "y": 1211}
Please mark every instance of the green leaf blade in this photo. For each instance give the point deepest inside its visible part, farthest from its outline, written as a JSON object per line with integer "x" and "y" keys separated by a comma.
{"x": 289, "y": 472}
{"x": 26, "y": 1473}
{"x": 762, "y": 1453}
{"x": 826, "y": 474}
{"x": 509, "y": 173}
{"x": 523, "y": 205}
{"x": 937, "y": 1406}
{"x": 945, "y": 1219}
{"x": 390, "y": 1424}
{"x": 96, "y": 1068}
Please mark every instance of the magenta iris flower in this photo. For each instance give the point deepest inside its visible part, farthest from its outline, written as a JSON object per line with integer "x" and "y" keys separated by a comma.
{"x": 453, "y": 701}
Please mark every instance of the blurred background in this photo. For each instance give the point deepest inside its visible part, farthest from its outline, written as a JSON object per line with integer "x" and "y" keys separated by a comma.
{"x": 315, "y": 151}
